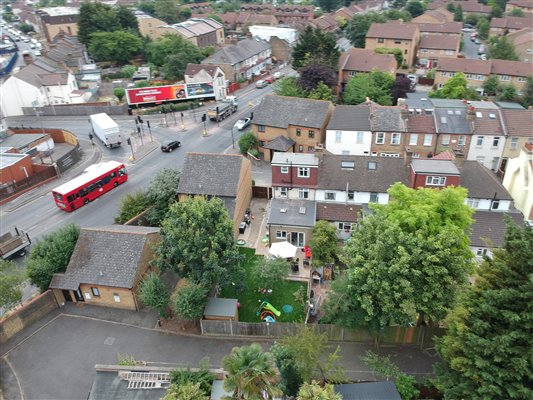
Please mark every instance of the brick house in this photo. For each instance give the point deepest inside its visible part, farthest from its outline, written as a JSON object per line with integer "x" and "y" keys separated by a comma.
{"x": 453, "y": 129}
{"x": 53, "y": 20}
{"x": 442, "y": 29}
{"x": 394, "y": 35}
{"x": 355, "y": 61}
{"x": 523, "y": 44}
{"x": 389, "y": 125}
{"x": 148, "y": 25}
{"x": 433, "y": 47}
{"x": 437, "y": 16}
{"x": 422, "y": 136}
{"x": 291, "y": 221}
{"x": 294, "y": 175}
{"x": 477, "y": 71}
{"x": 508, "y": 24}
{"x": 349, "y": 131}
{"x": 202, "y": 32}
{"x": 290, "y": 124}
{"x": 343, "y": 217}
{"x": 525, "y": 5}
{"x": 107, "y": 266}
{"x": 433, "y": 174}
{"x": 226, "y": 176}
{"x": 519, "y": 127}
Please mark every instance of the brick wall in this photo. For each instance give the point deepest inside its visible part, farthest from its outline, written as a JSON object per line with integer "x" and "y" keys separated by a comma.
{"x": 24, "y": 316}
{"x": 107, "y": 297}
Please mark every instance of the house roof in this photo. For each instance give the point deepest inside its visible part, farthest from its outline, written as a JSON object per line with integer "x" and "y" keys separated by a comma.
{"x": 514, "y": 68}
{"x": 489, "y": 226}
{"x": 481, "y": 182}
{"x": 105, "y": 256}
{"x": 234, "y": 54}
{"x": 292, "y": 213}
{"x": 387, "y": 119}
{"x": 470, "y": 66}
{"x": 392, "y": 30}
{"x": 219, "y": 307}
{"x": 445, "y": 27}
{"x": 434, "y": 167}
{"x": 41, "y": 74}
{"x": 509, "y": 105}
{"x": 518, "y": 122}
{"x": 110, "y": 385}
{"x": 299, "y": 159}
{"x": 368, "y": 391}
{"x": 421, "y": 123}
{"x": 511, "y": 22}
{"x": 439, "y": 14}
{"x": 439, "y": 42}
{"x": 350, "y": 118}
{"x": 196, "y": 27}
{"x": 22, "y": 140}
{"x": 366, "y": 60}
{"x": 487, "y": 121}
{"x": 211, "y": 174}
{"x": 452, "y": 120}
{"x": 472, "y": 6}
{"x": 521, "y": 36}
{"x": 280, "y": 143}
{"x": 281, "y": 111}
{"x": 388, "y": 171}
{"x": 337, "y": 212}
{"x": 419, "y": 101}
{"x": 521, "y": 3}
{"x": 193, "y": 69}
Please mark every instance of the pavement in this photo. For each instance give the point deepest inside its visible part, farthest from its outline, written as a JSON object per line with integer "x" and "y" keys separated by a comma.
{"x": 55, "y": 358}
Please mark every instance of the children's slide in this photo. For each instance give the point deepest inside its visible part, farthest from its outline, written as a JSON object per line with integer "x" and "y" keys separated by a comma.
{"x": 270, "y": 307}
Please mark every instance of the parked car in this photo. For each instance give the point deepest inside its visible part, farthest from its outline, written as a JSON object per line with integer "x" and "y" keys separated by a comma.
{"x": 477, "y": 41}
{"x": 483, "y": 57}
{"x": 170, "y": 145}
{"x": 260, "y": 84}
{"x": 269, "y": 79}
{"x": 467, "y": 29}
{"x": 37, "y": 52}
{"x": 32, "y": 46}
{"x": 481, "y": 49}
{"x": 242, "y": 123}
{"x": 278, "y": 75}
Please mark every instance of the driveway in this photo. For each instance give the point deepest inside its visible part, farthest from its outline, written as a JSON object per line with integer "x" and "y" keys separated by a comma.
{"x": 57, "y": 362}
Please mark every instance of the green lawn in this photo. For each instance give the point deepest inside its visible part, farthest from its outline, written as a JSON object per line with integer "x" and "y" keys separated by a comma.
{"x": 250, "y": 299}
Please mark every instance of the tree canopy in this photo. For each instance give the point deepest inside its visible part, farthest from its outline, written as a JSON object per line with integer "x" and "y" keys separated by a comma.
{"x": 358, "y": 27}
{"x": 375, "y": 85}
{"x": 119, "y": 46}
{"x": 98, "y": 17}
{"x": 415, "y": 8}
{"x": 324, "y": 243}
{"x": 501, "y": 48}
{"x": 316, "y": 72}
{"x": 313, "y": 391}
{"x": 315, "y": 44}
{"x": 190, "y": 301}
{"x": 486, "y": 351}
{"x": 154, "y": 294}
{"x": 197, "y": 242}
{"x": 455, "y": 88}
{"x": 11, "y": 278}
{"x": 161, "y": 194}
{"x": 527, "y": 92}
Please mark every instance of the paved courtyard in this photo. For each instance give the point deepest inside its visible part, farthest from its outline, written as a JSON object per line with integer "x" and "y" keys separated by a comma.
{"x": 57, "y": 361}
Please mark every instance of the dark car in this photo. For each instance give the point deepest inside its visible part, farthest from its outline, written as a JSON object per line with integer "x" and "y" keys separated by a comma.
{"x": 170, "y": 145}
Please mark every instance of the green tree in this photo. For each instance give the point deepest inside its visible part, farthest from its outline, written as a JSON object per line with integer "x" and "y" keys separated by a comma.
{"x": 251, "y": 373}
{"x": 127, "y": 19}
{"x": 321, "y": 92}
{"x": 458, "y": 13}
{"x": 26, "y": 28}
{"x": 161, "y": 194}
{"x": 455, "y": 88}
{"x": 496, "y": 12}
{"x": 190, "y": 301}
{"x": 486, "y": 351}
{"x": 131, "y": 205}
{"x": 187, "y": 391}
{"x": 491, "y": 86}
{"x": 247, "y": 142}
{"x": 167, "y": 10}
{"x": 312, "y": 356}
{"x": 394, "y": 15}
{"x": 271, "y": 272}
{"x": 324, "y": 243}
{"x": 315, "y": 72}
{"x": 147, "y": 6}
{"x": 119, "y": 46}
{"x": 11, "y": 278}
{"x": 358, "y": 27}
{"x": 471, "y": 19}
{"x": 313, "y": 391}
{"x": 291, "y": 379}
{"x": 406, "y": 385}
{"x": 128, "y": 70}
{"x": 154, "y": 294}
{"x": 415, "y": 8}
{"x": 527, "y": 92}
{"x": 316, "y": 44}
{"x": 421, "y": 277}
{"x": 483, "y": 26}
{"x": 500, "y": 48}
{"x": 119, "y": 93}
{"x": 375, "y": 85}
{"x": 516, "y": 12}
{"x": 51, "y": 255}
{"x": 289, "y": 87}
{"x": 96, "y": 17}
{"x": 509, "y": 93}
{"x": 185, "y": 13}
{"x": 201, "y": 376}
{"x": 328, "y": 5}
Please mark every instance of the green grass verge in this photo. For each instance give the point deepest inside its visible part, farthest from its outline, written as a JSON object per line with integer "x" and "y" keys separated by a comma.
{"x": 250, "y": 299}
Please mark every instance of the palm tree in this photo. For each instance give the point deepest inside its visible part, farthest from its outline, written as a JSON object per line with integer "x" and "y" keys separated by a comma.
{"x": 251, "y": 373}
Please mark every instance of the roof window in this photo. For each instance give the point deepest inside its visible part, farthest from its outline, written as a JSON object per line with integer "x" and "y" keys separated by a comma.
{"x": 302, "y": 210}
{"x": 492, "y": 116}
{"x": 457, "y": 112}
{"x": 372, "y": 165}
{"x": 348, "y": 165}
{"x": 478, "y": 114}
{"x": 450, "y": 112}
{"x": 443, "y": 120}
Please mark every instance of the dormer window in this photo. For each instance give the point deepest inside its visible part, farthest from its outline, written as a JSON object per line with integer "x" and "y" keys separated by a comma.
{"x": 284, "y": 170}
{"x": 435, "y": 180}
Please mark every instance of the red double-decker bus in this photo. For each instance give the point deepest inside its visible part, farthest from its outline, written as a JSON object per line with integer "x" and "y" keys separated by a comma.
{"x": 92, "y": 183}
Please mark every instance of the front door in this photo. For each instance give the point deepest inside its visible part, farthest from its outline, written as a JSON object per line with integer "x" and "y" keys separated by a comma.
{"x": 79, "y": 295}
{"x": 66, "y": 295}
{"x": 298, "y": 239}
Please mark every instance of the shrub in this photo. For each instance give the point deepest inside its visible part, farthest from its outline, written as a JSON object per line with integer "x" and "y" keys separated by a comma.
{"x": 247, "y": 142}
{"x": 190, "y": 301}
{"x": 119, "y": 93}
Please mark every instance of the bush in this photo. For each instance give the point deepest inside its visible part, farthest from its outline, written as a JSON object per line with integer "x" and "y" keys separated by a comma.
{"x": 119, "y": 93}
{"x": 190, "y": 301}
{"x": 131, "y": 206}
{"x": 247, "y": 142}
{"x": 202, "y": 377}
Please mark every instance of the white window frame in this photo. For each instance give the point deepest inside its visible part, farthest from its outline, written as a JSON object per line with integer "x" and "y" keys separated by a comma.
{"x": 284, "y": 170}
{"x": 435, "y": 180}
{"x": 462, "y": 140}
{"x": 304, "y": 172}
{"x": 116, "y": 297}
{"x": 283, "y": 192}
{"x": 375, "y": 197}
{"x": 427, "y": 142}
{"x": 281, "y": 235}
{"x": 360, "y": 137}
{"x": 345, "y": 226}
{"x": 380, "y": 137}
{"x": 350, "y": 195}
{"x": 303, "y": 193}
{"x": 495, "y": 141}
{"x": 330, "y": 196}
{"x": 395, "y": 138}
{"x": 445, "y": 140}
{"x": 338, "y": 136}
{"x": 479, "y": 141}
{"x": 514, "y": 143}
{"x": 413, "y": 139}
{"x": 495, "y": 205}
{"x": 473, "y": 203}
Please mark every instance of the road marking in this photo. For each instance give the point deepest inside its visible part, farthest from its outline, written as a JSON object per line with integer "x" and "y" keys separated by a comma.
{"x": 16, "y": 377}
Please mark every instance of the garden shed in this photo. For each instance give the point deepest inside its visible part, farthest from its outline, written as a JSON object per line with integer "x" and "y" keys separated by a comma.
{"x": 221, "y": 309}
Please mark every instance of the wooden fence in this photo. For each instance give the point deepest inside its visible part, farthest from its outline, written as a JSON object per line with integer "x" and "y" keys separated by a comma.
{"x": 417, "y": 336}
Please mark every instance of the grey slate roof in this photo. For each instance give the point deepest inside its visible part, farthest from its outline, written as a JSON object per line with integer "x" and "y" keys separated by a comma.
{"x": 509, "y": 105}
{"x": 454, "y": 123}
{"x": 448, "y": 103}
{"x": 419, "y": 101}
{"x": 292, "y": 216}
{"x": 280, "y": 143}
{"x": 350, "y": 118}
{"x": 368, "y": 391}
{"x": 108, "y": 385}
{"x": 434, "y": 167}
{"x": 489, "y": 226}
{"x": 105, "y": 256}
{"x": 210, "y": 174}
{"x": 22, "y": 140}
{"x": 234, "y": 54}
{"x": 361, "y": 179}
{"x": 387, "y": 119}
{"x": 281, "y": 111}
{"x": 219, "y": 307}
{"x": 481, "y": 182}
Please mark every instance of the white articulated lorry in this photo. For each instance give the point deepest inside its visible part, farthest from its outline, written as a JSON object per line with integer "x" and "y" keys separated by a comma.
{"x": 106, "y": 129}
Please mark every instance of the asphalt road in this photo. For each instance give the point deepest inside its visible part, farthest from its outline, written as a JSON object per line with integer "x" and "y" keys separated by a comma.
{"x": 470, "y": 48}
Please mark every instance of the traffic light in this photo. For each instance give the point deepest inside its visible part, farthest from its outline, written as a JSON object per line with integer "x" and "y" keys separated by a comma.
{"x": 139, "y": 130}
{"x": 148, "y": 123}
{"x": 139, "y": 119}
{"x": 204, "y": 117}
{"x": 181, "y": 115}
{"x": 128, "y": 140}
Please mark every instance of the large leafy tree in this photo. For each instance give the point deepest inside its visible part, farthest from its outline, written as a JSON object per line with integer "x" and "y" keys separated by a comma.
{"x": 358, "y": 27}
{"x": 482, "y": 26}
{"x": 527, "y": 92}
{"x": 486, "y": 352}
{"x": 329, "y": 5}
{"x": 321, "y": 92}
{"x": 406, "y": 261}
{"x": 127, "y": 19}
{"x": 491, "y": 86}
{"x": 167, "y": 10}
{"x": 415, "y": 8}
{"x": 251, "y": 373}
{"x": 51, "y": 255}
{"x": 161, "y": 194}
{"x": 455, "y": 88}
{"x": 96, "y": 17}
{"x": 501, "y": 48}
{"x": 324, "y": 243}
{"x": 186, "y": 391}
{"x": 401, "y": 87}
{"x": 314, "y": 73}
{"x": 271, "y": 272}
{"x": 118, "y": 46}
{"x": 197, "y": 242}
{"x": 289, "y": 87}
{"x": 316, "y": 44}
{"x": 154, "y": 294}
{"x": 291, "y": 380}
{"x": 11, "y": 279}
{"x": 509, "y": 93}
{"x": 375, "y": 85}
{"x": 190, "y": 301}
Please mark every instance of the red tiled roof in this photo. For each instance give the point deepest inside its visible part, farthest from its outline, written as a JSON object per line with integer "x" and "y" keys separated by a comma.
{"x": 337, "y": 212}
{"x": 420, "y": 124}
{"x": 518, "y": 122}
{"x": 445, "y": 27}
{"x": 366, "y": 60}
{"x": 521, "y": 3}
{"x": 511, "y": 22}
{"x": 513, "y": 68}
{"x": 521, "y": 36}
{"x": 487, "y": 121}
{"x": 467, "y": 66}
{"x": 439, "y": 42}
{"x": 392, "y": 30}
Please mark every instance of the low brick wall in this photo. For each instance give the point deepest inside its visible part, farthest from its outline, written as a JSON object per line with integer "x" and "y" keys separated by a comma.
{"x": 26, "y": 315}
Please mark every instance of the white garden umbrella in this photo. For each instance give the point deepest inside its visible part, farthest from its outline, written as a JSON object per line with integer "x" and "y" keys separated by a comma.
{"x": 283, "y": 249}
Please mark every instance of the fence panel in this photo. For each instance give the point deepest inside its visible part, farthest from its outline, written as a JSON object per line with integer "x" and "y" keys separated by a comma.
{"x": 10, "y": 189}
